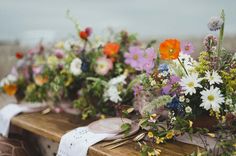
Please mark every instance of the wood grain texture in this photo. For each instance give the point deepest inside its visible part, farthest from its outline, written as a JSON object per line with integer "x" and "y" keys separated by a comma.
{"x": 53, "y": 126}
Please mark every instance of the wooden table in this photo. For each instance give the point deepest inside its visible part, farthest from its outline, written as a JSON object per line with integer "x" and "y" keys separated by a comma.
{"x": 52, "y": 126}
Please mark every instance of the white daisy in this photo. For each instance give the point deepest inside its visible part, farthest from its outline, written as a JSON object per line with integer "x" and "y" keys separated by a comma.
{"x": 211, "y": 98}
{"x": 75, "y": 66}
{"x": 189, "y": 83}
{"x": 213, "y": 78}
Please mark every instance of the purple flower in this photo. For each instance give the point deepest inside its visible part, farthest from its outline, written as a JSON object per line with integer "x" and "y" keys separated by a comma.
{"x": 147, "y": 65}
{"x": 59, "y": 53}
{"x": 209, "y": 42}
{"x": 187, "y": 47}
{"x": 174, "y": 79}
{"x": 137, "y": 89}
{"x": 141, "y": 60}
{"x": 150, "y": 54}
{"x": 215, "y": 23}
{"x": 169, "y": 89}
{"x": 133, "y": 57}
{"x": 166, "y": 89}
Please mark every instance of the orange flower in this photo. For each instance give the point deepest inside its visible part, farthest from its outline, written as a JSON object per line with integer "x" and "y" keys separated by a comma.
{"x": 10, "y": 89}
{"x": 170, "y": 49}
{"x": 40, "y": 80}
{"x": 111, "y": 49}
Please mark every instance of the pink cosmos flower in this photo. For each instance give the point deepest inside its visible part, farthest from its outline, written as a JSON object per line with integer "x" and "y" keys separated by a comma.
{"x": 187, "y": 47}
{"x": 133, "y": 58}
{"x": 103, "y": 65}
{"x": 141, "y": 59}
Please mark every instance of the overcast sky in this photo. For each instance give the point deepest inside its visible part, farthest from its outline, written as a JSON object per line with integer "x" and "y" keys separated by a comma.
{"x": 149, "y": 18}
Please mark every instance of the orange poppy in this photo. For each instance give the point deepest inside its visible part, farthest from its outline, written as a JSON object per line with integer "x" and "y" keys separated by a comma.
{"x": 170, "y": 49}
{"x": 40, "y": 80}
{"x": 10, "y": 89}
{"x": 111, "y": 49}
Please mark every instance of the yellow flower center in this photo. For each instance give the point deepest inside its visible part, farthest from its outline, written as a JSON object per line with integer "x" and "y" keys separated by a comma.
{"x": 190, "y": 84}
{"x": 135, "y": 57}
{"x": 171, "y": 50}
{"x": 211, "y": 98}
{"x": 187, "y": 48}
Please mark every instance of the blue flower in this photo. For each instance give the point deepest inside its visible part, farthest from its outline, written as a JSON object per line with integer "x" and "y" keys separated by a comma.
{"x": 85, "y": 65}
{"x": 163, "y": 67}
{"x": 176, "y": 106}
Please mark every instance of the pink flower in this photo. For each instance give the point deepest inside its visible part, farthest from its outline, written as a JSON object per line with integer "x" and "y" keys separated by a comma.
{"x": 141, "y": 60}
{"x": 59, "y": 53}
{"x": 133, "y": 58}
{"x": 187, "y": 47}
{"x": 37, "y": 69}
{"x": 103, "y": 65}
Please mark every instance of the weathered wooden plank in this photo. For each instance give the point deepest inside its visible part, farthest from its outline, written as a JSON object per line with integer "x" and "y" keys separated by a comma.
{"x": 53, "y": 126}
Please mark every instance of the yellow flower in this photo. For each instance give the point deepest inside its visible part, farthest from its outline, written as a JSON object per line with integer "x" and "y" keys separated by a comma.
{"x": 170, "y": 135}
{"x": 157, "y": 152}
{"x": 52, "y": 61}
{"x": 159, "y": 140}
{"x": 223, "y": 119}
{"x": 102, "y": 116}
{"x": 59, "y": 45}
{"x": 190, "y": 123}
{"x": 211, "y": 112}
{"x": 211, "y": 135}
{"x": 153, "y": 116}
{"x": 234, "y": 145}
{"x": 217, "y": 115}
{"x": 150, "y": 134}
{"x": 151, "y": 153}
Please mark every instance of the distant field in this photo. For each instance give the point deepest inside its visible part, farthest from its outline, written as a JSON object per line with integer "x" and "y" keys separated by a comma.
{"x": 7, "y": 51}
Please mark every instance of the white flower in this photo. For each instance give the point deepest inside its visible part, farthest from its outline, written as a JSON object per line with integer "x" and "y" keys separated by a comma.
{"x": 213, "y": 78}
{"x": 112, "y": 94}
{"x": 7, "y": 80}
{"x": 228, "y": 101}
{"x": 189, "y": 83}
{"x": 187, "y": 100}
{"x": 211, "y": 98}
{"x": 69, "y": 44}
{"x": 75, "y": 66}
{"x": 117, "y": 80}
{"x": 188, "y": 109}
{"x": 181, "y": 98}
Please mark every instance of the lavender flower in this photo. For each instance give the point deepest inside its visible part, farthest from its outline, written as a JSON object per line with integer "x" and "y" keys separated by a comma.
{"x": 187, "y": 47}
{"x": 169, "y": 89}
{"x": 137, "y": 89}
{"x": 133, "y": 58}
{"x": 141, "y": 59}
{"x": 209, "y": 42}
{"x": 215, "y": 23}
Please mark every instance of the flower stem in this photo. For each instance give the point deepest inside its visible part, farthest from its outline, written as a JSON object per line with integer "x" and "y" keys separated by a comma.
{"x": 221, "y": 35}
{"x": 183, "y": 66}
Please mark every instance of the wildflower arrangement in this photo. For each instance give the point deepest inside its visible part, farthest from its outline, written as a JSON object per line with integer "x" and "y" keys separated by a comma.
{"x": 87, "y": 72}
{"x": 173, "y": 92}
{"x": 180, "y": 94}
{"x": 25, "y": 72}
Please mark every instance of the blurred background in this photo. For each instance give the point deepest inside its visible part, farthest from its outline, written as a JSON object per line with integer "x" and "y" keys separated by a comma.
{"x": 24, "y": 23}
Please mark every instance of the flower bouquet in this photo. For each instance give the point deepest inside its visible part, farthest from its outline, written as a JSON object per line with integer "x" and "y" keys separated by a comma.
{"x": 182, "y": 95}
